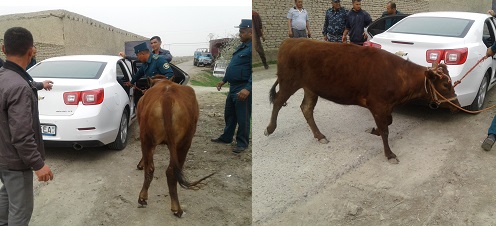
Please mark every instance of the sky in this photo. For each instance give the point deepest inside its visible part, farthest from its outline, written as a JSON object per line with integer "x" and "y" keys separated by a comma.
{"x": 183, "y": 25}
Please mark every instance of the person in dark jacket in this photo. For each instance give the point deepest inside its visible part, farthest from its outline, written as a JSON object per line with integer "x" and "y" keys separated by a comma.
{"x": 390, "y": 11}
{"x": 356, "y": 22}
{"x": 21, "y": 146}
{"x": 238, "y": 103}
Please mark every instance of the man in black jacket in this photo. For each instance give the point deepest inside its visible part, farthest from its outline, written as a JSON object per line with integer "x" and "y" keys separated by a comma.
{"x": 21, "y": 146}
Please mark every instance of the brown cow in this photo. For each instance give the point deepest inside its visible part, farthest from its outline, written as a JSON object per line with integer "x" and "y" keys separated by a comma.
{"x": 354, "y": 75}
{"x": 167, "y": 114}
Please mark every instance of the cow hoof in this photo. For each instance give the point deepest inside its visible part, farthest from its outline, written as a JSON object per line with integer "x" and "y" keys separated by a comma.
{"x": 139, "y": 167}
{"x": 266, "y": 132}
{"x": 178, "y": 213}
{"x": 324, "y": 141}
{"x": 394, "y": 160}
{"x": 142, "y": 203}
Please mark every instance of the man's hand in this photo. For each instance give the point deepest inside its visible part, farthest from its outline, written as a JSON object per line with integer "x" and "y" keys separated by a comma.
{"x": 47, "y": 85}
{"x": 365, "y": 35}
{"x": 44, "y": 174}
{"x": 243, "y": 94}
{"x": 489, "y": 52}
{"x": 219, "y": 85}
{"x": 122, "y": 54}
{"x": 490, "y": 12}
{"x": 263, "y": 38}
{"x": 128, "y": 84}
{"x": 344, "y": 39}
{"x": 290, "y": 34}
{"x": 325, "y": 38}
{"x": 309, "y": 34}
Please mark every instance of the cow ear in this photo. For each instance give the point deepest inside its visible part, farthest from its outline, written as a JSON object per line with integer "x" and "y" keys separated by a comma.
{"x": 150, "y": 81}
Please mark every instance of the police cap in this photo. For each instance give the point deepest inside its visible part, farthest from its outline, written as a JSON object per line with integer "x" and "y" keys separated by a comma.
{"x": 140, "y": 47}
{"x": 245, "y": 23}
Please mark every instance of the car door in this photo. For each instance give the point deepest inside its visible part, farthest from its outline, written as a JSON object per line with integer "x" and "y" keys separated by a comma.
{"x": 125, "y": 76}
{"x": 379, "y": 25}
{"x": 489, "y": 37}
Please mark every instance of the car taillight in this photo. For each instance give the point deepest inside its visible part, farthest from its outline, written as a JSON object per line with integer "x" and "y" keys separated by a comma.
{"x": 450, "y": 56}
{"x": 371, "y": 44}
{"x": 91, "y": 97}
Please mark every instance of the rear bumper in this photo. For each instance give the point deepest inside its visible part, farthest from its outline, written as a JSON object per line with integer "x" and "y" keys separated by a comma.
{"x": 91, "y": 143}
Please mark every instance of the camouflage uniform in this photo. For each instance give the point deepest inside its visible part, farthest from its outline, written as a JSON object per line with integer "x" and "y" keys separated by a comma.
{"x": 335, "y": 21}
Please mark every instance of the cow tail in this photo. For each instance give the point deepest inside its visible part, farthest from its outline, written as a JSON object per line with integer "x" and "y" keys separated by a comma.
{"x": 272, "y": 93}
{"x": 174, "y": 158}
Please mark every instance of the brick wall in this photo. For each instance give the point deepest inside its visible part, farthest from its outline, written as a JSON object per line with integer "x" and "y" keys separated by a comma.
{"x": 60, "y": 32}
{"x": 273, "y": 14}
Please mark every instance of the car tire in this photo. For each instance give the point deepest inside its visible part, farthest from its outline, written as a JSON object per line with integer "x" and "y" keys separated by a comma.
{"x": 122, "y": 137}
{"x": 481, "y": 94}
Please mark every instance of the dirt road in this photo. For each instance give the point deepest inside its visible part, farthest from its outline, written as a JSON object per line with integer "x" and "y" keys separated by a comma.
{"x": 96, "y": 186}
{"x": 443, "y": 178}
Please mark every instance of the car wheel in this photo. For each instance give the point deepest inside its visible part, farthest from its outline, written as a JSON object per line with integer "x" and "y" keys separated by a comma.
{"x": 121, "y": 139}
{"x": 481, "y": 94}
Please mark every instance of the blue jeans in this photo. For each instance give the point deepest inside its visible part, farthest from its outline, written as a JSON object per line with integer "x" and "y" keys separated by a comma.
{"x": 492, "y": 128}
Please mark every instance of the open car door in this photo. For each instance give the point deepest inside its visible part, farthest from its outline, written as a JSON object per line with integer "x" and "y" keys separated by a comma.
{"x": 379, "y": 25}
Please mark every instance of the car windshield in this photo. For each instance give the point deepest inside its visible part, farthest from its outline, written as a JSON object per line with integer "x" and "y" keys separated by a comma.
{"x": 68, "y": 69}
{"x": 435, "y": 26}
{"x": 206, "y": 55}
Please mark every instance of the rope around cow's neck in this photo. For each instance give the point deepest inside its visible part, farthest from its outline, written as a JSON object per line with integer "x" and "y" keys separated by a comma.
{"x": 458, "y": 107}
{"x": 458, "y": 82}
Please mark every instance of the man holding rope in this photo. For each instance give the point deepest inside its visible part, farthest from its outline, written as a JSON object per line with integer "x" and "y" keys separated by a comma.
{"x": 491, "y": 132}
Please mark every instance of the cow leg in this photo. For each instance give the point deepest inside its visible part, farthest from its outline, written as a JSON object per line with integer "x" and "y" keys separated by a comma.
{"x": 147, "y": 150}
{"x": 279, "y": 101}
{"x": 374, "y": 131}
{"x": 172, "y": 181}
{"x": 307, "y": 106}
{"x": 383, "y": 119}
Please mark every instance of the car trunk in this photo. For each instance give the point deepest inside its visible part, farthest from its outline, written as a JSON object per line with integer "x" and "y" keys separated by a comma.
{"x": 414, "y": 47}
{"x": 51, "y": 103}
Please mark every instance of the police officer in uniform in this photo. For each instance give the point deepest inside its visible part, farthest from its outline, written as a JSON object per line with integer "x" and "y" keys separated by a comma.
{"x": 153, "y": 64}
{"x": 238, "y": 103}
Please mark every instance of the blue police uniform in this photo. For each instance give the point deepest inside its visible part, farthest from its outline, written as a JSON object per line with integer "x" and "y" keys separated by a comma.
{"x": 156, "y": 64}
{"x": 239, "y": 76}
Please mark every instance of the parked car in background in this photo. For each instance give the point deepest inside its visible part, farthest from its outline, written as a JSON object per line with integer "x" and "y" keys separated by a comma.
{"x": 197, "y": 54}
{"x": 205, "y": 59}
{"x": 220, "y": 68}
{"x": 89, "y": 105}
{"x": 457, "y": 39}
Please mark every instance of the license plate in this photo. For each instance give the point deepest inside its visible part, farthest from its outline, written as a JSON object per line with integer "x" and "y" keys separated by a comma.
{"x": 49, "y": 130}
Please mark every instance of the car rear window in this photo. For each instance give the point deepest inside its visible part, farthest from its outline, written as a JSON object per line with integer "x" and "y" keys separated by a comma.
{"x": 436, "y": 26}
{"x": 68, "y": 69}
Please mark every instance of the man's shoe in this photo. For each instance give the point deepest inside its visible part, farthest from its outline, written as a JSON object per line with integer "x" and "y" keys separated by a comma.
{"x": 266, "y": 66}
{"x": 238, "y": 150}
{"x": 488, "y": 142}
{"x": 218, "y": 140}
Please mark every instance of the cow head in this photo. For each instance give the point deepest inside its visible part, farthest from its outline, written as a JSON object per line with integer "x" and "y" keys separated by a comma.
{"x": 155, "y": 79}
{"x": 438, "y": 84}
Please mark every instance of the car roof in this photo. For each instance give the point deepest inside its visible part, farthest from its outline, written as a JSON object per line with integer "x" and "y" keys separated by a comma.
{"x": 452, "y": 14}
{"x": 101, "y": 58}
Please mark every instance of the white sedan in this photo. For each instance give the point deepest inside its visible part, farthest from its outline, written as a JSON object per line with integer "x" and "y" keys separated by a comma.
{"x": 89, "y": 105}
{"x": 458, "y": 39}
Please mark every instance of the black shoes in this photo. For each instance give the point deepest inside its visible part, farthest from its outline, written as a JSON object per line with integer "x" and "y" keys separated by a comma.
{"x": 488, "y": 142}
{"x": 218, "y": 140}
{"x": 238, "y": 150}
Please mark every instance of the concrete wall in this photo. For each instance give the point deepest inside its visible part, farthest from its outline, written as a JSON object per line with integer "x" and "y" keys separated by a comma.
{"x": 60, "y": 32}
{"x": 273, "y": 14}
